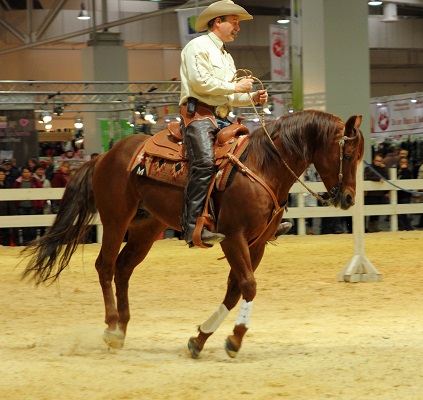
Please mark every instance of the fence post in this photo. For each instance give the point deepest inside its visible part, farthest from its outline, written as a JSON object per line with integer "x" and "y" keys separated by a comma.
{"x": 393, "y": 199}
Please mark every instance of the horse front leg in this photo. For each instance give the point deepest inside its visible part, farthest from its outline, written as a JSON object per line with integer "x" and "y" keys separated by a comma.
{"x": 206, "y": 329}
{"x": 247, "y": 286}
{"x": 241, "y": 281}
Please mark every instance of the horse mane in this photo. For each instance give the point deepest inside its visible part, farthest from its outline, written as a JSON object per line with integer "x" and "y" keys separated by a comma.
{"x": 299, "y": 133}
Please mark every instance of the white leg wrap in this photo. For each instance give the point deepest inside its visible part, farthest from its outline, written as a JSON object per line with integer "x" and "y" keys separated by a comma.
{"x": 215, "y": 320}
{"x": 245, "y": 313}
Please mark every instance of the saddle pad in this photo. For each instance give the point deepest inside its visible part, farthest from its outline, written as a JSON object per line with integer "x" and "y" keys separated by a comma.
{"x": 176, "y": 172}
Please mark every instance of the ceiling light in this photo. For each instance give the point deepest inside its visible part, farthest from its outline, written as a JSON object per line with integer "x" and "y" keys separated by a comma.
{"x": 284, "y": 18}
{"x": 390, "y": 12}
{"x": 83, "y": 14}
{"x": 413, "y": 100}
{"x": 78, "y": 123}
{"x": 375, "y": 3}
{"x": 47, "y": 117}
{"x": 58, "y": 110}
{"x": 48, "y": 126}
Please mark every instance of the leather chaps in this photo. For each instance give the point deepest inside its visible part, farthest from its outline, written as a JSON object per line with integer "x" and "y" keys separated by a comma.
{"x": 198, "y": 137}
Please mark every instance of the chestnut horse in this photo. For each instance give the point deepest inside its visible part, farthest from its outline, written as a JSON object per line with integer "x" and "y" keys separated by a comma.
{"x": 245, "y": 213}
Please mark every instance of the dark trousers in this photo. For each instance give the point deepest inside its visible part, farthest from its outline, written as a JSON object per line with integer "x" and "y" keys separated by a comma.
{"x": 199, "y": 139}
{"x": 24, "y": 235}
{"x": 370, "y": 200}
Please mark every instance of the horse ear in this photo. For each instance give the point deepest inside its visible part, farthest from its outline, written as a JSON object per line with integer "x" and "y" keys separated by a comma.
{"x": 353, "y": 122}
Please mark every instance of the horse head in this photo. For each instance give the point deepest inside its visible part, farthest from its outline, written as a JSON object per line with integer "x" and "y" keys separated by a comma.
{"x": 337, "y": 164}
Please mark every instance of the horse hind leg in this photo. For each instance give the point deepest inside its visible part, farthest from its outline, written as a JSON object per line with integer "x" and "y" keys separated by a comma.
{"x": 141, "y": 236}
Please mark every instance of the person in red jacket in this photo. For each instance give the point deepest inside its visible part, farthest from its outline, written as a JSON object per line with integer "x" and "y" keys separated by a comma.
{"x": 60, "y": 180}
{"x": 27, "y": 207}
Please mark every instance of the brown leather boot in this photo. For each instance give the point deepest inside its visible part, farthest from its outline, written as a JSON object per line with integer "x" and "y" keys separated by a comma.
{"x": 283, "y": 229}
{"x": 211, "y": 238}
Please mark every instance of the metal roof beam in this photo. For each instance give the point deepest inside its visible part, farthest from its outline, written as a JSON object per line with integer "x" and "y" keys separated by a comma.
{"x": 23, "y": 38}
{"x": 58, "y": 5}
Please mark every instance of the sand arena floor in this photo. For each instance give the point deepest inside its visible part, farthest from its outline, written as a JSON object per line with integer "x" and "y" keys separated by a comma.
{"x": 311, "y": 337}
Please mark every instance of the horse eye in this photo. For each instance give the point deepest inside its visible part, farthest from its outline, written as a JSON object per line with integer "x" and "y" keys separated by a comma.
{"x": 348, "y": 157}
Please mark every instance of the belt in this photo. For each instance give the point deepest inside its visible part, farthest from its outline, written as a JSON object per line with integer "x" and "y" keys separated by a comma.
{"x": 221, "y": 111}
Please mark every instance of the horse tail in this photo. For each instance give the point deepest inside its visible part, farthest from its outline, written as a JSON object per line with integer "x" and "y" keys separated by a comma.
{"x": 50, "y": 254}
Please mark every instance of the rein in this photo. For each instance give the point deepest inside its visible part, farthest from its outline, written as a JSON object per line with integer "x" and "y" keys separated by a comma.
{"x": 337, "y": 187}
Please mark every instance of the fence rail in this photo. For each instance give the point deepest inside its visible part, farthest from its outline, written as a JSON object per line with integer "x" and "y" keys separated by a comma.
{"x": 299, "y": 212}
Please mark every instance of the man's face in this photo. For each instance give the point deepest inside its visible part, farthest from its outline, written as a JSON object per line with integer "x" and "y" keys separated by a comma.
{"x": 228, "y": 29}
{"x": 378, "y": 161}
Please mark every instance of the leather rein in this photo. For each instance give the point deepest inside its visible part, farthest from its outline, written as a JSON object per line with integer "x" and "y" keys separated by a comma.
{"x": 335, "y": 189}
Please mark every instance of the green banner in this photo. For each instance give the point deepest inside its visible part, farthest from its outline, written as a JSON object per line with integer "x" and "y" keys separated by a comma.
{"x": 114, "y": 130}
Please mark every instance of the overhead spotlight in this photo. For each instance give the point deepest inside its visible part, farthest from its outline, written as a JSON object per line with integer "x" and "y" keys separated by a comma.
{"x": 78, "y": 123}
{"x": 284, "y": 18}
{"x": 268, "y": 109}
{"x": 131, "y": 120}
{"x": 58, "y": 110}
{"x": 148, "y": 116}
{"x": 48, "y": 126}
{"x": 83, "y": 14}
{"x": 375, "y": 3}
{"x": 140, "y": 108}
{"x": 47, "y": 117}
{"x": 389, "y": 12}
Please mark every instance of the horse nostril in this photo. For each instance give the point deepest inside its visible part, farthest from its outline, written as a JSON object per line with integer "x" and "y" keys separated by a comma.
{"x": 349, "y": 199}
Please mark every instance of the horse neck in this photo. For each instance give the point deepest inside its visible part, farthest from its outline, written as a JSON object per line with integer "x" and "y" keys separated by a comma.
{"x": 297, "y": 164}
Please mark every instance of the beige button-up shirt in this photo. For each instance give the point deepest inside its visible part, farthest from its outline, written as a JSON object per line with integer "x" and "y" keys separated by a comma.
{"x": 206, "y": 73}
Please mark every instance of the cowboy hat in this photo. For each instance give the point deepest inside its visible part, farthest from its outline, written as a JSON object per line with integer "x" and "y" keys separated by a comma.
{"x": 218, "y": 9}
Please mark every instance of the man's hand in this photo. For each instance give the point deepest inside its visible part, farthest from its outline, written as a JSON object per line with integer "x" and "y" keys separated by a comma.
{"x": 244, "y": 85}
{"x": 260, "y": 97}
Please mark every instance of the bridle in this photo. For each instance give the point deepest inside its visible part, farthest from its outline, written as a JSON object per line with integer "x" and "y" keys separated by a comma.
{"x": 334, "y": 192}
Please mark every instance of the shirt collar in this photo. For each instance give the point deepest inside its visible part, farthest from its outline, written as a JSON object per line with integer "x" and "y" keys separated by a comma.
{"x": 216, "y": 40}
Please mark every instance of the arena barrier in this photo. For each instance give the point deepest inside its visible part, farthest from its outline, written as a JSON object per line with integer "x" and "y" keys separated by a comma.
{"x": 299, "y": 211}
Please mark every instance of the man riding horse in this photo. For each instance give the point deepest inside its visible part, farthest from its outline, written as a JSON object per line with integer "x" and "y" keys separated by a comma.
{"x": 207, "y": 70}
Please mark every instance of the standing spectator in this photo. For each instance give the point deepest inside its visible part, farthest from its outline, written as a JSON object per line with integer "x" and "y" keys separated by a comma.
{"x": 391, "y": 159}
{"x": 27, "y": 207}
{"x": 61, "y": 176}
{"x": 32, "y": 163}
{"x": 420, "y": 176}
{"x": 12, "y": 173}
{"x": 4, "y": 210}
{"x": 39, "y": 173}
{"x": 373, "y": 173}
{"x": 60, "y": 180}
{"x": 403, "y": 172}
{"x": 49, "y": 165}
{"x": 311, "y": 175}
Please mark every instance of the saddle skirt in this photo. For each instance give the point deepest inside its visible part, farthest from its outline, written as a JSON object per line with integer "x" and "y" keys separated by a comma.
{"x": 162, "y": 157}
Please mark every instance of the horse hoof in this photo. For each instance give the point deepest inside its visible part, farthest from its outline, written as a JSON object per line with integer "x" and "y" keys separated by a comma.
{"x": 114, "y": 339}
{"x": 194, "y": 348}
{"x": 230, "y": 348}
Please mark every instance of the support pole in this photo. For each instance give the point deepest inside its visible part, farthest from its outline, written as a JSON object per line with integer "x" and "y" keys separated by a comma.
{"x": 359, "y": 268}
